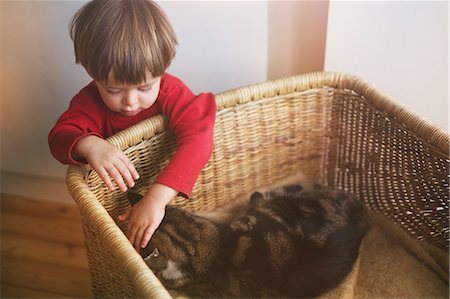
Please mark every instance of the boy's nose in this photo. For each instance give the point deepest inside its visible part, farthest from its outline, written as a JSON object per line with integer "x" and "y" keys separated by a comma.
{"x": 130, "y": 99}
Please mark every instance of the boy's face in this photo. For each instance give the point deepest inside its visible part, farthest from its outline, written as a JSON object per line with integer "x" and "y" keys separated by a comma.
{"x": 129, "y": 100}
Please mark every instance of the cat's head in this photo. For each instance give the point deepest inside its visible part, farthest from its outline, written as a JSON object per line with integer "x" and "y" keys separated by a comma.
{"x": 258, "y": 198}
{"x": 182, "y": 248}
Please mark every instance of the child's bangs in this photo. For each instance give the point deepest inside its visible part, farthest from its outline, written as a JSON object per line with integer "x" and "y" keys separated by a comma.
{"x": 134, "y": 68}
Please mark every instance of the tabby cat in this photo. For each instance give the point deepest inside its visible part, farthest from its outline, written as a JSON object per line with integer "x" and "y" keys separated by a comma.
{"x": 291, "y": 242}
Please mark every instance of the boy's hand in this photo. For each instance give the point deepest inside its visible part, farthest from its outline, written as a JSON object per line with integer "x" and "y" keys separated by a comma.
{"x": 108, "y": 160}
{"x": 146, "y": 215}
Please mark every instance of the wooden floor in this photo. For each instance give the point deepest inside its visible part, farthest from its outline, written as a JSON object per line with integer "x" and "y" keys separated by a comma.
{"x": 42, "y": 250}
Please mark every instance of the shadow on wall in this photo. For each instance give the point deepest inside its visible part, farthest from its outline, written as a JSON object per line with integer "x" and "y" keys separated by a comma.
{"x": 297, "y": 37}
{"x": 39, "y": 78}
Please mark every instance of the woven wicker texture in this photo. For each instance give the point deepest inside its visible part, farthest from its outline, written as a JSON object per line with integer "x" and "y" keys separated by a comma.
{"x": 334, "y": 128}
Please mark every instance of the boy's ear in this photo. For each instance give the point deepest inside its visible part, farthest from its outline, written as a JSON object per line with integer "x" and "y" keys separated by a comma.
{"x": 133, "y": 197}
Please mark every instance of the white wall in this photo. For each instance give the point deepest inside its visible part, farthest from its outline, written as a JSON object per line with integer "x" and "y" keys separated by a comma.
{"x": 222, "y": 45}
{"x": 297, "y": 37}
{"x": 399, "y": 47}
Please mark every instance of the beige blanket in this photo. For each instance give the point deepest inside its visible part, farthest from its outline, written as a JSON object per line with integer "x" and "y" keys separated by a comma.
{"x": 394, "y": 265}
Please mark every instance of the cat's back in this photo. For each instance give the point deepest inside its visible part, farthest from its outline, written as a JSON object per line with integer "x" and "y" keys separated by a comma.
{"x": 308, "y": 239}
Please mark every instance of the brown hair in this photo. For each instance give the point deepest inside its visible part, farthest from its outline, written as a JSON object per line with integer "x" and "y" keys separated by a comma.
{"x": 124, "y": 38}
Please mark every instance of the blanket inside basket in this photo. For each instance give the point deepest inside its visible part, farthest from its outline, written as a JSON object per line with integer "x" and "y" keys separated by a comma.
{"x": 394, "y": 265}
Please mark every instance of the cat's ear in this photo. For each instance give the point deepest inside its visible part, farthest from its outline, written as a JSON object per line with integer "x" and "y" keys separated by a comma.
{"x": 147, "y": 250}
{"x": 317, "y": 186}
{"x": 293, "y": 189}
{"x": 133, "y": 197}
{"x": 256, "y": 198}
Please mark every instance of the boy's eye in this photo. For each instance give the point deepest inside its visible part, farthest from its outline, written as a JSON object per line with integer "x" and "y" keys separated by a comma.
{"x": 113, "y": 91}
{"x": 145, "y": 88}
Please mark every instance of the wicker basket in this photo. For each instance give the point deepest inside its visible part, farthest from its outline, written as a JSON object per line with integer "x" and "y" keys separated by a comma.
{"x": 333, "y": 127}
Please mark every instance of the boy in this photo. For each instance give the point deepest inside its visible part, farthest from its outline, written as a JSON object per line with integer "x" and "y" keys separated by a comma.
{"x": 126, "y": 47}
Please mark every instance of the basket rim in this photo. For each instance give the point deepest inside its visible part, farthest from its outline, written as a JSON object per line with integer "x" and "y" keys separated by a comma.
{"x": 408, "y": 119}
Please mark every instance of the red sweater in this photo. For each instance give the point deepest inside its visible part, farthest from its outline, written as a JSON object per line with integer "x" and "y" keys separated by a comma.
{"x": 191, "y": 118}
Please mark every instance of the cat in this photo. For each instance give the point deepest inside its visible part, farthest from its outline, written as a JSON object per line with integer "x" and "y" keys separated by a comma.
{"x": 290, "y": 242}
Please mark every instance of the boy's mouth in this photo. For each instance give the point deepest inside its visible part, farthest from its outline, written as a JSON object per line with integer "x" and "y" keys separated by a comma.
{"x": 130, "y": 112}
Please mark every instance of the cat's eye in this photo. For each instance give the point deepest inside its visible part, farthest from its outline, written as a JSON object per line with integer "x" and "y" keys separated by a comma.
{"x": 155, "y": 253}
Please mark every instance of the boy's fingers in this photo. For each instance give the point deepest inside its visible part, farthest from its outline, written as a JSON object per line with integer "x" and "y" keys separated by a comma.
{"x": 105, "y": 178}
{"x": 131, "y": 168}
{"x": 114, "y": 173}
{"x": 124, "y": 216}
{"x": 147, "y": 236}
{"x": 125, "y": 174}
{"x": 131, "y": 234}
{"x": 135, "y": 174}
{"x": 138, "y": 238}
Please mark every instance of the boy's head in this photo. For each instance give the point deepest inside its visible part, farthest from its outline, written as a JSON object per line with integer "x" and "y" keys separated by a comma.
{"x": 123, "y": 39}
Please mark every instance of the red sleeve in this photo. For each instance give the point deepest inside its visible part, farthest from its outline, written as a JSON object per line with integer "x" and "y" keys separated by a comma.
{"x": 81, "y": 119}
{"x": 192, "y": 119}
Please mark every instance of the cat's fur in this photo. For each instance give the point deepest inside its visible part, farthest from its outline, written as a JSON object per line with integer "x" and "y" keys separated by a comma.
{"x": 290, "y": 242}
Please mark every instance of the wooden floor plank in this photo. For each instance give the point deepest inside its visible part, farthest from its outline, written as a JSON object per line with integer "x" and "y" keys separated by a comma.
{"x": 45, "y": 277}
{"x": 24, "y": 247}
{"x": 42, "y": 250}
{"x": 38, "y": 208}
{"x": 9, "y": 291}
{"x": 45, "y": 228}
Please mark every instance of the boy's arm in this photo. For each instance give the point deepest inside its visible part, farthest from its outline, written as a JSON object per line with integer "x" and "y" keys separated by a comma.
{"x": 81, "y": 119}
{"x": 77, "y": 138}
{"x": 192, "y": 120}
